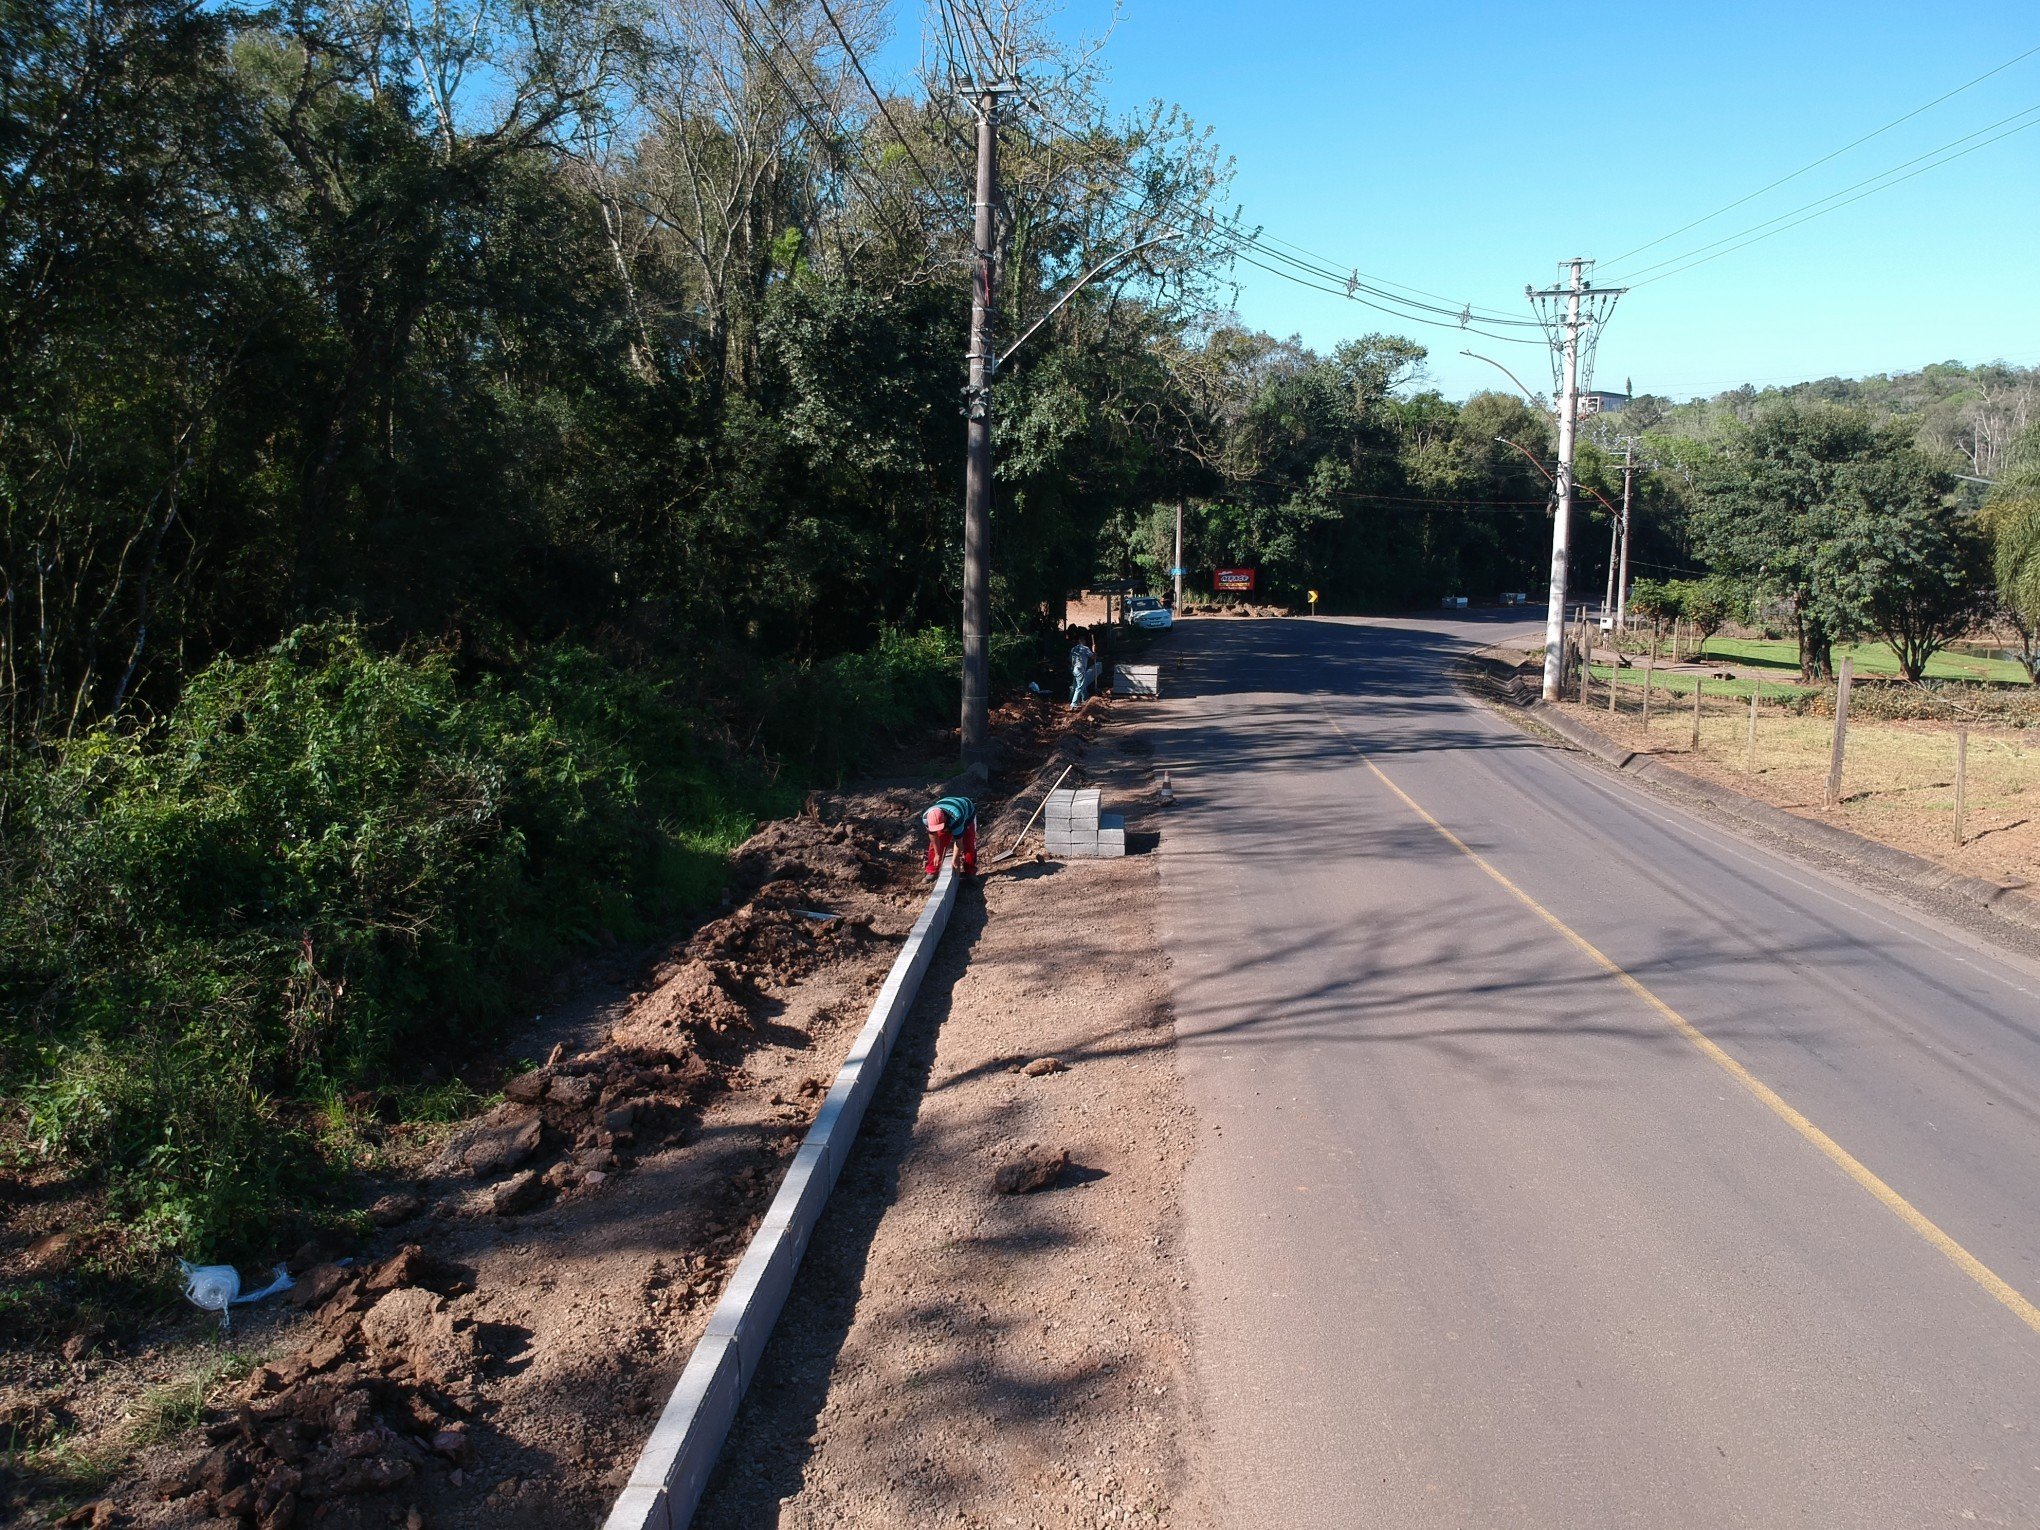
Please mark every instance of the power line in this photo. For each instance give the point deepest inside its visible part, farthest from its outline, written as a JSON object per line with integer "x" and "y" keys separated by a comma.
{"x": 1404, "y": 499}
{"x": 1485, "y": 315}
{"x": 1238, "y": 252}
{"x": 1820, "y": 211}
{"x": 957, "y": 62}
{"x": 1844, "y": 191}
{"x": 885, "y": 111}
{"x": 767, "y": 56}
{"x": 1348, "y": 285}
{"x": 1835, "y": 154}
{"x": 1460, "y": 316}
{"x": 959, "y": 31}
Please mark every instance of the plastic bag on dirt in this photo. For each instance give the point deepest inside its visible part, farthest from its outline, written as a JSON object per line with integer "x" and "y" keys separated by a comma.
{"x": 216, "y": 1287}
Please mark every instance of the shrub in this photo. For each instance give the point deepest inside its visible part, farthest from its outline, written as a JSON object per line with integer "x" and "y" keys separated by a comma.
{"x": 833, "y": 715}
{"x": 322, "y": 861}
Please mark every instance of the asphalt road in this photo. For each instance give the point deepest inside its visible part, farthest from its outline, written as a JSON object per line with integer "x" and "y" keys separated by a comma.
{"x": 1480, "y": 1230}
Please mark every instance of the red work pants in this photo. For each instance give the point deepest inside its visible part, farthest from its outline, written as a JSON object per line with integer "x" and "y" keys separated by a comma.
{"x": 966, "y": 850}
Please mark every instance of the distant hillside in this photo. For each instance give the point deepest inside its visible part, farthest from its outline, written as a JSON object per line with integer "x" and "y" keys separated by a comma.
{"x": 1971, "y": 415}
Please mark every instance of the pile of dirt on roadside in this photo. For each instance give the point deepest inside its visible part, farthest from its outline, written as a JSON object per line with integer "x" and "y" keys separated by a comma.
{"x": 438, "y": 1376}
{"x": 383, "y": 1392}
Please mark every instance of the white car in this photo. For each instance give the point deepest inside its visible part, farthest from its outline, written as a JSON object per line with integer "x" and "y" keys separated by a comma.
{"x": 1149, "y": 614}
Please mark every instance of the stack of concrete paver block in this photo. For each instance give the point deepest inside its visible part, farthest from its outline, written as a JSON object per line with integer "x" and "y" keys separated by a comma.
{"x": 1137, "y": 679}
{"x": 1075, "y": 828}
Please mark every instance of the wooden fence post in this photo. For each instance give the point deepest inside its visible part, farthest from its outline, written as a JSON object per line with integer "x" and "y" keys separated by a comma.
{"x": 1648, "y": 665}
{"x": 1614, "y": 672}
{"x": 1756, "y": 689}
{"x": 1586, "y": 655}
{"x": 1842, "y": 684}
{"x": 1961, "y": 779}
{"x": 1699, "y": 685}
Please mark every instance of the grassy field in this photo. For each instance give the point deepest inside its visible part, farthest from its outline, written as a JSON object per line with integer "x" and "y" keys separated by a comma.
{"x": 1898, "y": 781}
{"x": 1661, "y": 680}
{"x": 1869, "y": 659}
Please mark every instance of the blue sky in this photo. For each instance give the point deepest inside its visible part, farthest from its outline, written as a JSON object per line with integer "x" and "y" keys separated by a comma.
{"x": 1467, "y": 148}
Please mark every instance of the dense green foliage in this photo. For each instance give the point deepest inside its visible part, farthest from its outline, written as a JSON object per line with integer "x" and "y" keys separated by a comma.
{"x": 1844, "y": 520}
{"x": 2011, "y": 519}
{"x": 325, "y": 860}
{"x": 1971, "y": 415}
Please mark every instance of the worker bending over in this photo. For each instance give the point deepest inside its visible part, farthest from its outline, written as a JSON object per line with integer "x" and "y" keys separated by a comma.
{"x": 953, "y": 820}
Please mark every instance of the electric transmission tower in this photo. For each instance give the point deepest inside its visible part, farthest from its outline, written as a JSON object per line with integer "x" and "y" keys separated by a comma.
{"x": 1572, "y": 316}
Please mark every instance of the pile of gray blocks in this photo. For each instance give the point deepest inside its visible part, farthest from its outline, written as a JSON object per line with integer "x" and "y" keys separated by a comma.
{"x": 1137, "y": 679}
{"x": 1076, "y": 830}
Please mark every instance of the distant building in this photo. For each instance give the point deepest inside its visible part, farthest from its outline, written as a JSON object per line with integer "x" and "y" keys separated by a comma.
{"x": 1595, "y": 401}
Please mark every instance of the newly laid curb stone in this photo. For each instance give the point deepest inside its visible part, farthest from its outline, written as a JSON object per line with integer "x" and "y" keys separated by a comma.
{"x": 673, "y": 1469}
{"x": 2011, "y": 902}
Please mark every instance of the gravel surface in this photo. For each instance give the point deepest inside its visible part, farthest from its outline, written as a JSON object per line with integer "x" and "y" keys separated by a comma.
{"x": 956, "y": 1354}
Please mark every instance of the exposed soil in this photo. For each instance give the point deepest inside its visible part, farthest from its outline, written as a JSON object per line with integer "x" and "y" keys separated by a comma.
{"x": 990, "y": 1326}
{"x": 495, "y": 1353}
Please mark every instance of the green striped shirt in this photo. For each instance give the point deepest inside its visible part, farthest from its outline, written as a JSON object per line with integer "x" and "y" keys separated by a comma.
{"x": 958, "y": 810}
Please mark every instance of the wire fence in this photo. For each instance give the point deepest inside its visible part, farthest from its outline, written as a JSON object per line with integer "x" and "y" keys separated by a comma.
{"x": 1931, "y": 765}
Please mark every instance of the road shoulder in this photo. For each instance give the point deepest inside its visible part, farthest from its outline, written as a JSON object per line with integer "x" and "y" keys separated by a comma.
{"x": 2001, "y": 915}
{"x": 956, "y": 1353}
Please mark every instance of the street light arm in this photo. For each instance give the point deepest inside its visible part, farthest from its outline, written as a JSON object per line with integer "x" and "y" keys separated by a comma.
{"x": 1539, "y": 402}
{"x": 1081, "y": 283}
{"x": 1534, "y": 462}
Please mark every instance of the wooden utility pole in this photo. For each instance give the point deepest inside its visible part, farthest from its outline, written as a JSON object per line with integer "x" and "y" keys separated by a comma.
{"x": 1961, "y": 779}
{"x": 1176, "y": 567}
{"x": 977, "y": 477}
{"x": 1842, "y": 684}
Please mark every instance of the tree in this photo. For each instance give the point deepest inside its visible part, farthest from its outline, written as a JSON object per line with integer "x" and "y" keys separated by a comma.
{"x": 1657, "y": 601}
{"x": 1708, "y": 604}
{"x": 1915, "y": 567}
{"x": 2010, "y": 519}
{"x": 1772, "y": 503}
{"x": 2014, "y": 531}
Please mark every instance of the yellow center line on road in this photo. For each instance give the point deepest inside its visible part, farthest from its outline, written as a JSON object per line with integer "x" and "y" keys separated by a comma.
{"x": 1840, "y": 1156}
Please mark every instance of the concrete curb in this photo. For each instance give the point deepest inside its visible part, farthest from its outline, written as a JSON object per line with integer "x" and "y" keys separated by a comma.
{"x": 674, "y": 1467}
{"x": 1584, "y": 738}
{"x": 2010, "y": 902}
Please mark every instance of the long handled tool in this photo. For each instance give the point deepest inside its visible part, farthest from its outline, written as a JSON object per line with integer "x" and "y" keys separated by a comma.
{"x": 1008, "y": 853}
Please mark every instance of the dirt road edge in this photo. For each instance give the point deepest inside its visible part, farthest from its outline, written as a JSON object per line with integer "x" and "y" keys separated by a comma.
{"x": 674, "y": 1467}
{"x": 2008, "y": 903}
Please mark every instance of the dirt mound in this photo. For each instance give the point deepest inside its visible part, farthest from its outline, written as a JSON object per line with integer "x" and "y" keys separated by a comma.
{"x": 583, "y": 1115}
{"x": 805, "y": 885}
{"x": 380, "y": 1396}
{"x": 822, "y": 850}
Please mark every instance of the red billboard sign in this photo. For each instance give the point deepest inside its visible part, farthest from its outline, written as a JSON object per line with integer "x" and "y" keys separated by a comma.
{"x": 1232, "y": 581}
